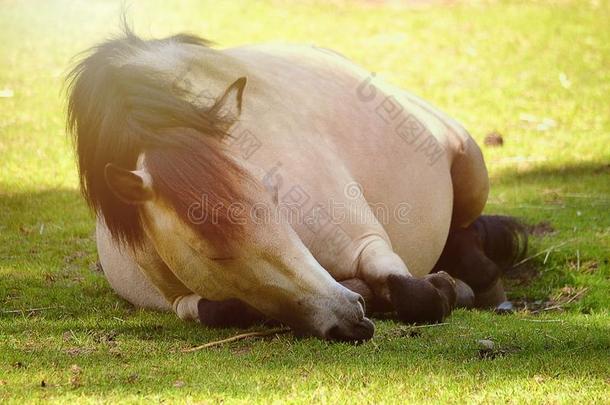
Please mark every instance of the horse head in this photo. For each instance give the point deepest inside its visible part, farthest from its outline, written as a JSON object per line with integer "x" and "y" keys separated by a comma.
{"x": 153, "y": 165}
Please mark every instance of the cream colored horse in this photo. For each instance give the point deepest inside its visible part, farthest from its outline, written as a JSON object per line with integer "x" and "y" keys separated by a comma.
{"x": 325, "y": 172}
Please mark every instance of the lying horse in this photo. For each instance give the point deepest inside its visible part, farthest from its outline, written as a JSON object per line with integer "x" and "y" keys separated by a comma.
{"x": 279, "y": 182}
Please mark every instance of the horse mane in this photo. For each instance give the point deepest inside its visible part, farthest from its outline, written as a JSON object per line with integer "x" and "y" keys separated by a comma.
{"x": 119, "y": 108}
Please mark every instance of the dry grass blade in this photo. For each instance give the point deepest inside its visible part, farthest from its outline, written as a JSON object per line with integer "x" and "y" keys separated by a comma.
{"x": 560, "y": 306}
{"x": 235, "y": 338}
{"x": 527, "y": 259}
{"x": 430, "y": 325}
{"x": 544, "y": 320}
{"x": 17, "y": 311}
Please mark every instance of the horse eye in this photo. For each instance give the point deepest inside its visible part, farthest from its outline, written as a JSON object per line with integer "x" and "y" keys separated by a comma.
{"x": 221, "y": 259}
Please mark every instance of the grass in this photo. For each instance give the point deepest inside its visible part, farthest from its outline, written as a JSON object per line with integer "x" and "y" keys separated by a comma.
{"x": 500, "y": 66}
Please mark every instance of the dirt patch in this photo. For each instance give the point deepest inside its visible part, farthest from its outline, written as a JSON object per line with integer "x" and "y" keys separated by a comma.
{"x": 494, "y": 139}
{"x": 565, "y": 296}
{"x": 587, "y": 267}
{"x": 522, "y": 275}
{"x": 79, "y": 351}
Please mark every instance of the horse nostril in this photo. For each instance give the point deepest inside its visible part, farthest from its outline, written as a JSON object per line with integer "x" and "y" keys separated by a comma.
{"x": 364, "y": 330}
{"x": 334, "y": 333}
{"x": 359, "y": 332}
{"x": 362, "y": 303}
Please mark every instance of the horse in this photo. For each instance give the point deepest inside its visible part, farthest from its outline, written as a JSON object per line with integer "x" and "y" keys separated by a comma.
{"x": 279, "y": 183}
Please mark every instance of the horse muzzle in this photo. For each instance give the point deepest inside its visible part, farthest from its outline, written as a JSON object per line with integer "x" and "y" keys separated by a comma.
{"x": 360, "y": 331}
{"x": 343, "y": 319}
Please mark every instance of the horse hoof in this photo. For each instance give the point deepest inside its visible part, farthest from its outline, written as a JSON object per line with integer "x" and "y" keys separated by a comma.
{"x": 419, "y": 301}
{"x": 227, "y": 314}
{"x": 490, "y": 298}
{"x": 446, "y": 286}
{"x": 504, "y": 308}
{"x": 465, "y": 295}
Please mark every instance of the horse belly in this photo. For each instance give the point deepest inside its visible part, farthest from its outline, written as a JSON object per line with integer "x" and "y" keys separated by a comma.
{"x": 417, "y": 214}
{"x": 123, "y": 274}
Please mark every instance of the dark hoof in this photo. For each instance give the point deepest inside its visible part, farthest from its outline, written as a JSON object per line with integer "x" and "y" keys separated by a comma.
{"x": 490, "y": 298}
{"x": 465, "y": 295}
{"x": 504, "y": 308}
{"x": 227, "y": 314}
{"x": 422, "y": 301}
{"x": 446, "y": 286}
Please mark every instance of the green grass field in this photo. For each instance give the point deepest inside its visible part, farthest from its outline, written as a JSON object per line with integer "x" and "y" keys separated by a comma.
{"x": 537, "y": 73}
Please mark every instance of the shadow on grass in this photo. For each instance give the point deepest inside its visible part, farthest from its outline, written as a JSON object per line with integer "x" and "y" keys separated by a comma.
{"x": 549, "y": 173}
{"x": 41, "y": 216}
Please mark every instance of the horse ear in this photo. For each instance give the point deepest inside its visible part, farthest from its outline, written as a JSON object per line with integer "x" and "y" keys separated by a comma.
{"x": 229, "y": 104}
{"x": 129, "y": 187}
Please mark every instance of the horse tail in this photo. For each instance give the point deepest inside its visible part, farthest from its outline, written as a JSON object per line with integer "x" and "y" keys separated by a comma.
{"x": 504, "y": 239}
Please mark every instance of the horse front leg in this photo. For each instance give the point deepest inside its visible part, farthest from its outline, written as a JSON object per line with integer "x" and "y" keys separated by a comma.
{"x": 426, "y": 300}
{"x": 182, "y": 300}
{"x": 190, "y": 306}
{"x": 231, "y": 313}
